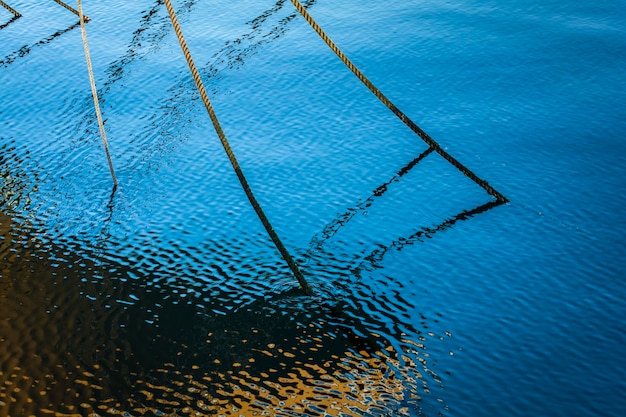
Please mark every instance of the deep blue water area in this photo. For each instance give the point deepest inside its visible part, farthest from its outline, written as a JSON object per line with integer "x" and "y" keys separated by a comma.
{"x": 166, "y": 295}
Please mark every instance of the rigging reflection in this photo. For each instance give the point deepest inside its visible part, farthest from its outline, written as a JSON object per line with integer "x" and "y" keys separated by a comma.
{"x": 27, "y": 49}
{"x": 7, "y": 23}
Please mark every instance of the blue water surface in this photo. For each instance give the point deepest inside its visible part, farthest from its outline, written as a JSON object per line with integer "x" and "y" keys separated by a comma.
{"x": 524, "y": 302}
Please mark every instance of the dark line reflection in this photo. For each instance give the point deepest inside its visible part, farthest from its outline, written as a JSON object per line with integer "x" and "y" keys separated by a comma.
{"x": 153, "y": 28}
{"x": 333, "y": 227}
{"x": 13, "y": 19}
{"x": 16, "y": 182}
{"x": 26, "y": 49}
{"x": 232, "y": 55}
{"x": 374, "y": 259}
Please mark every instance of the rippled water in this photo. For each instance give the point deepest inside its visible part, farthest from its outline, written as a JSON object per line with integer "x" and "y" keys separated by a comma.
{"x": 166, "y": 297}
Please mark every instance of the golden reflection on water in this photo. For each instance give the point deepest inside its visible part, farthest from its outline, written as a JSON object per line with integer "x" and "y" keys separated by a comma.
{"x": 361, "y": 383}
{"x": 63, "y": 354}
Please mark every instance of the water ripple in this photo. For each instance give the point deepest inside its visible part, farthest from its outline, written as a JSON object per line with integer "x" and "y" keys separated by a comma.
{"x": 278, "y": 351}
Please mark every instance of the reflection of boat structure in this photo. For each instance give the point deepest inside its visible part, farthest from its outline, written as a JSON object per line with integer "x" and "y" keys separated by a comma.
{"x": 358, "y": 384}
{"x": 242, "y": 361}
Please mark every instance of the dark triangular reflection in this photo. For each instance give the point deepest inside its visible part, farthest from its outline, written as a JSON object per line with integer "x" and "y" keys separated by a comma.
{"x": 375, "y": 257}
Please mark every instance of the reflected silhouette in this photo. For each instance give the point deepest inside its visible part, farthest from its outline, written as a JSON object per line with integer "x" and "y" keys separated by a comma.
{"x": 105, "y": 234}
{"x": 333, "y": 227}
{"x": 16, "y": 184}
{"x": 13, "y": 19}
{"x": 231, "y": 56}
{"x": 234, "y": 53}
{"x": 374, "y": 259}
{"x": 27, "y": 49}
{"x": 153, "y": 28}
{"x": 101, "y": 336}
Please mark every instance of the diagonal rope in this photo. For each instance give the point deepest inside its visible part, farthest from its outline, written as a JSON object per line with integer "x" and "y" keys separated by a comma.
{"x": 405, "y": 119}
{"x": 231, "y": 156}
{"x": 9, "y": 8}
{"x": 71, "y": 9}
{"x": 94, "y": 92}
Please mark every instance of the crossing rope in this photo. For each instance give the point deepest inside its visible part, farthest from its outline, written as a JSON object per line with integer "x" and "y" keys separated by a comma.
{"x": 10, "y": 9}
{"x": 94, "y": 92}
{"x": 405, "y": 119}
{"x": 73, "y": 10}
{"x": 231, "y": 156}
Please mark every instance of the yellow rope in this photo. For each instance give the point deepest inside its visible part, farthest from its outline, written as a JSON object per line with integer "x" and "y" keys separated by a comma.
{"x": 9, "y": 8}
{"x": 71, "y": 9}
{"x": 231, "y": 156}
{"x": 94, "y": 92}
{"x": 405, "y": 119}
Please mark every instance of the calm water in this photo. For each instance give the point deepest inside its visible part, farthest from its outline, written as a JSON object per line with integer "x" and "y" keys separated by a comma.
{"x": 166, "y": 297}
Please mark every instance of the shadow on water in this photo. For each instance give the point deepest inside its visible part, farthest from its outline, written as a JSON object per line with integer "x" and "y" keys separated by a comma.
{"x": 27, "y": 49}
{"x": 374, "y": 258}
{"x": 13, "y": 19}
{"x": 80, "y": 334}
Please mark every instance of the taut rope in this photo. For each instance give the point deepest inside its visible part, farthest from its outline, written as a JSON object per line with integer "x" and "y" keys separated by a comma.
{"x": 231, "y": 156}
{"x": 9, "y": 8}
{"x": 405, "y": 119}
{"x": 73, "y": 10}
{"x": 94, "y": 92}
